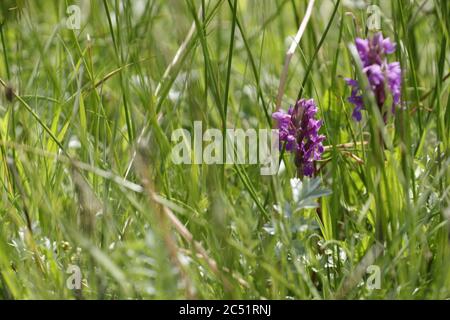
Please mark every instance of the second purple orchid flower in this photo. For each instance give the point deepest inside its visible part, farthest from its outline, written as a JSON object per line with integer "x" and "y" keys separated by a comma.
{"x": 380, "y": 74}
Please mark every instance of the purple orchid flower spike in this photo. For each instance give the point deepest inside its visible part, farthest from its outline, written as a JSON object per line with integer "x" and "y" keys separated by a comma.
{"x": 380, "y": 74}
{"x": 299, "y": 129}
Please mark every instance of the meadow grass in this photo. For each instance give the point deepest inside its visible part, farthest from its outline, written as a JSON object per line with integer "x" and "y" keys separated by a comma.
{"x": 87, "y": 177}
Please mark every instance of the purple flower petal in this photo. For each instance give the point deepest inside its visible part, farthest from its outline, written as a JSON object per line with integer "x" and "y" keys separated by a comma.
{"x": 375, "y": 74}
{"x": 388, "y": 46}
{"x": 356, "y": 114}
{"x": 352, "y": 82}
{"x": 362, "y": 46}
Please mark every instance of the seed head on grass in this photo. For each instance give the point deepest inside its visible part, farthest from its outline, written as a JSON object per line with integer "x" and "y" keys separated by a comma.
{"x": 380, "y": 74}
{"x": 299, "y": 129}
{"x": 9, "y": 93}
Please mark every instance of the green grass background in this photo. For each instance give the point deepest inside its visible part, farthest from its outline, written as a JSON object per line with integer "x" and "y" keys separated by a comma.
{"x": 87, "y": 178}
